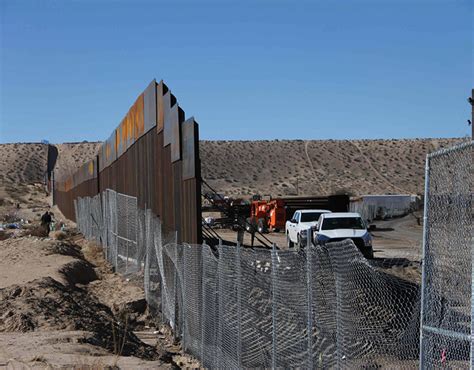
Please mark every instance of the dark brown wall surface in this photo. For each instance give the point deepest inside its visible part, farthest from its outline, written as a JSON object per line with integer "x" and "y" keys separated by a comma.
{"x": 137, "y": 162}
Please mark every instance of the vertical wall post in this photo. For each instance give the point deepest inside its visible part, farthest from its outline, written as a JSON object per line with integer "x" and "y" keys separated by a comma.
{"x": 53, "y": 197}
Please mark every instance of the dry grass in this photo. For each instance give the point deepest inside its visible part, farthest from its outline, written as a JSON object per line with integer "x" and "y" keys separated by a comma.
{"x": 59, "y": 235}
{"x": 35, "y": 230}
{"x": 94, "y": 254}
{"x": 3, "y": 235}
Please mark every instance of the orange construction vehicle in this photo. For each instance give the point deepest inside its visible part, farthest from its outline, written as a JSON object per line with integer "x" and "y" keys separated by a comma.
{"x": 267, "y": 215}
{"x": 272, "y": 214}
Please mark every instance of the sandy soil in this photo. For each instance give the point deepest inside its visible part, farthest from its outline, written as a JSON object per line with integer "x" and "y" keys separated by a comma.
{"x": 38, "y": 254}
{"x": 62, "y": 306}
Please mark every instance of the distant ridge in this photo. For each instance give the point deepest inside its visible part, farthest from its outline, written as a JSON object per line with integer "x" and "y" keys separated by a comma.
{"x": 273, "y": 167}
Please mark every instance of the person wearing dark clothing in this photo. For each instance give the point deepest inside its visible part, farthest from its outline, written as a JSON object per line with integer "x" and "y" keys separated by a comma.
{"x": 46, "y": 220}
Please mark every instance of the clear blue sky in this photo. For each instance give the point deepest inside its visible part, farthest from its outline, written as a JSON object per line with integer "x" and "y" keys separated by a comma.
{"x": 258, "y": 69}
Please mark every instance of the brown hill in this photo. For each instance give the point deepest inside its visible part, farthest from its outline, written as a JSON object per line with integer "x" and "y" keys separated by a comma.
{"x": 23, "y": 163}
{"x": 278, "y": 167}
{"x": 291, "y": 167}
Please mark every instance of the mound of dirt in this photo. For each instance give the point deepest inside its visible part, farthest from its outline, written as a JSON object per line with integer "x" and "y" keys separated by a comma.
{"x": 42, "y": 288}
{"x": 49, "y": 305}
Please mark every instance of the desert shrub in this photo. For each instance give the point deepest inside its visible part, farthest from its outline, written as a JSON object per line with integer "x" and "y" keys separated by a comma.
{"x": 3, "y": 235}
{"x": 35, "y": 230}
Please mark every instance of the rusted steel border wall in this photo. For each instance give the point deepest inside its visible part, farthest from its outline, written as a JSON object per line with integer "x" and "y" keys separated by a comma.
{"x": 153, "y": 155}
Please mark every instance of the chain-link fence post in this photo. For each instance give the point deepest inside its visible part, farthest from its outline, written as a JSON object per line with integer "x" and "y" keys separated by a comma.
{"x": 117, "y": 215}
{"x": 239, "y": 305}
{"x": 274, "y": 330}
{"x": 423, "y": 257}
{"x": 338, "y": 318}
{"x": 177, "y": 307}
{"x": 204, "y": 305}
{"x": 184, "y": 307}
{"x": 309, "y": 299}
{"x": 220, "y": 354}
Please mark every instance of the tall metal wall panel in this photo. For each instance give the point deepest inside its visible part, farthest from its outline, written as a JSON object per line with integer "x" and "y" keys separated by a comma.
{"x": 170, "y": 113}
{"x": 150, "y": 114}
{"x": 190, "y": 141}
{"x": 161, "y": 90}
{"x": 137, "y": 120}
{"x": 160, "y": 167}
{"x": 176, "y": 135}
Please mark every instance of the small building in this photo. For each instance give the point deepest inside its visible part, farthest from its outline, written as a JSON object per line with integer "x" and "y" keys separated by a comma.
{"x": 380, "y": 207}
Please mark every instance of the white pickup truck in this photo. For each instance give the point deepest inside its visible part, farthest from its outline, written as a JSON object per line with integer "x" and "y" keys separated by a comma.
{"x": 335, "y": 227}
{"x": 297, "y": 228}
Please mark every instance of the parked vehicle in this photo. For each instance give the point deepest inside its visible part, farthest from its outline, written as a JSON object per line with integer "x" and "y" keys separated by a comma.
{"x": 338, "y": 226}
{"x": 297, "y": 228}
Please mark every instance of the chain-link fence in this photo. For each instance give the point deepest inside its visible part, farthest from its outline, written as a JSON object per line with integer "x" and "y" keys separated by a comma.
{"x": 233, "y": 307}
{"x": 447, "y": 325}
{"x": 315, "y": 307}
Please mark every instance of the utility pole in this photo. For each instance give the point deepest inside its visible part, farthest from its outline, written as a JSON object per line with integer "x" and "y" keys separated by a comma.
{"x": 471, "y": 121}
{"x": 471, "y": 100}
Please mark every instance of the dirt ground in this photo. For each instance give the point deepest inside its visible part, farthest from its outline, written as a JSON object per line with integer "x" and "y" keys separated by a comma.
{"x": 62, "y": 306}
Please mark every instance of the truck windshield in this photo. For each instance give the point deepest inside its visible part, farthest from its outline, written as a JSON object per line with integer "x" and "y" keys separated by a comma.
{"x": 343, "y": 223}
{"x": 310, "y": 216}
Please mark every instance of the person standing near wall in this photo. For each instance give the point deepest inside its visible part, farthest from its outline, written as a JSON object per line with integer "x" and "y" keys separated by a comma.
{"x": 46, "y": 220}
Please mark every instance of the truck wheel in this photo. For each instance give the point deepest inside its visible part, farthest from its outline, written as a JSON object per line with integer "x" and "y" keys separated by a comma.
{"x": 369, "y": 254}
{"x": 248, "y": 225}
{"x": 289, "y": 242}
